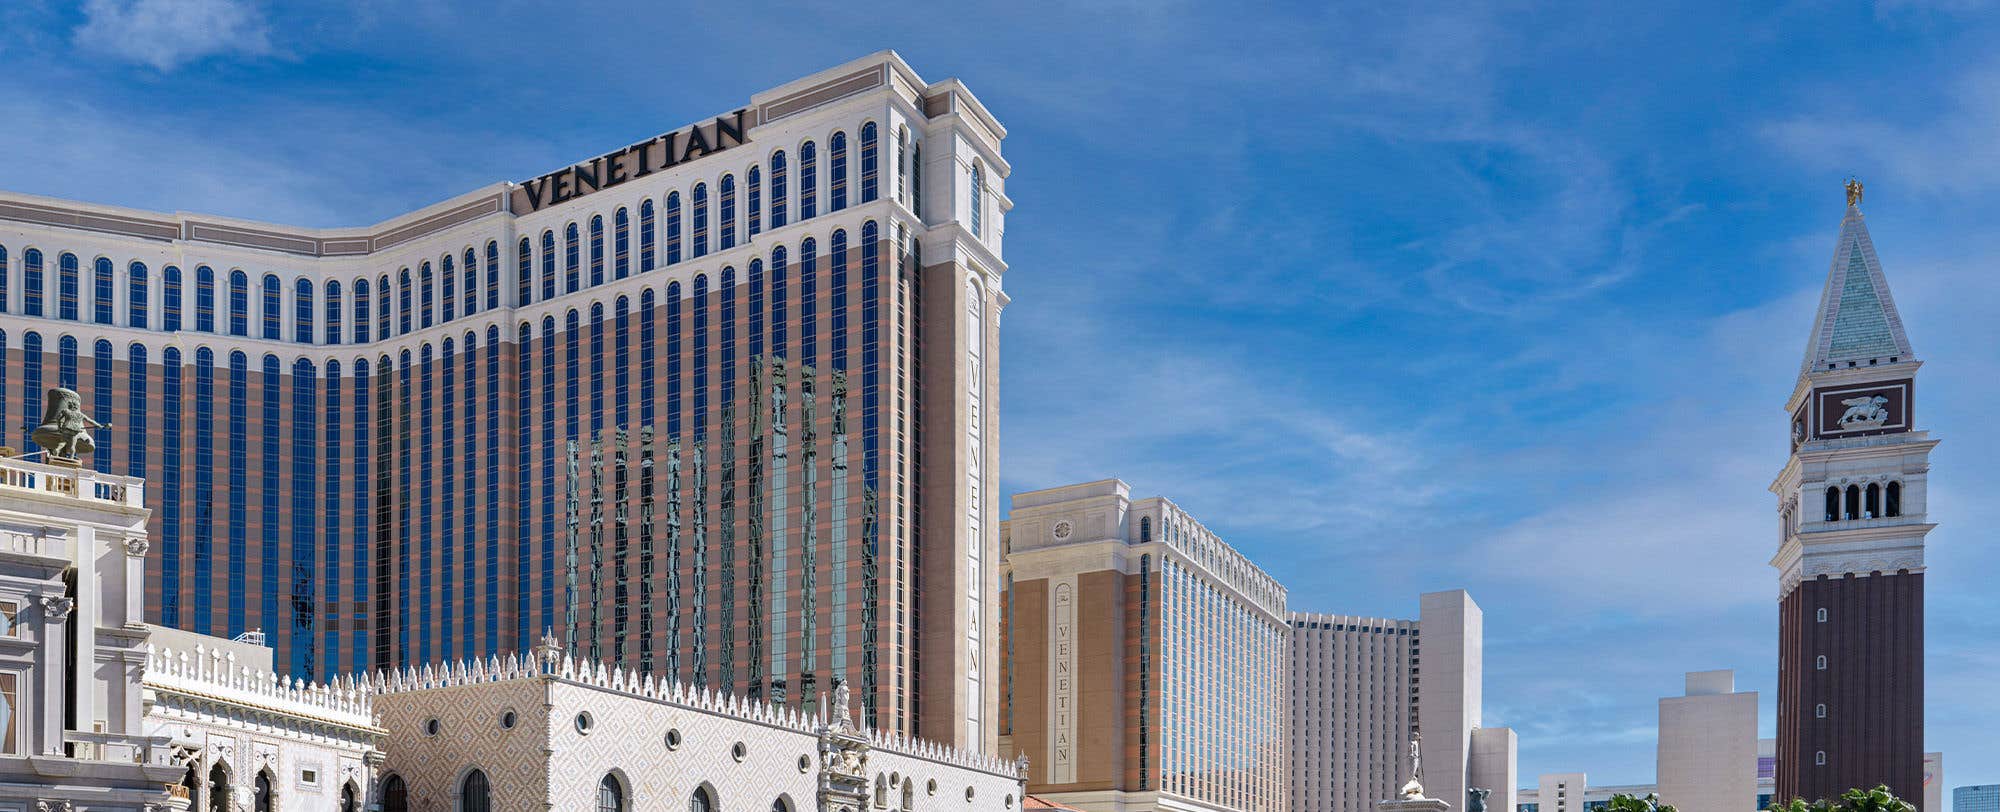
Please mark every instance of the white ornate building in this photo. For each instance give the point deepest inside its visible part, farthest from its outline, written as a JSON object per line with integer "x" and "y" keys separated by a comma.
{"x": 549, "y": 731}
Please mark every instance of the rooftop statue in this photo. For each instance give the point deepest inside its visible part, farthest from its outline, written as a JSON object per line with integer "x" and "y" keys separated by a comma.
{"x": 1853, "y": 191}
{"x": 64, "y": 431}
{"x": 1415, "y": 788}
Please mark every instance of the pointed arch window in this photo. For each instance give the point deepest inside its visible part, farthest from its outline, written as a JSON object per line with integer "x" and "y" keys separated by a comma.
{"x": 137, "y": 293}
{"x": 808, "y": 180}
{"x": 474, "y": 793}
{"x": 778, "y": 189}
{"x": 395, "y": 795}
{"x": 701, "y": 801}
{"x": 263, "y": 796}
{"x": 610, "y": 794}
{"x": 100, "y": 291}
{"x": 66, "y": 287}
{"x": 218, "y": 790}
{"x": 350, "y": 800}
{"x": 836, "y": 172}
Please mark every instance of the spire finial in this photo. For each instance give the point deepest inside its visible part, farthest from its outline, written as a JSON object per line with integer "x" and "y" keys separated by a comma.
{"x": 1853, "y": 191}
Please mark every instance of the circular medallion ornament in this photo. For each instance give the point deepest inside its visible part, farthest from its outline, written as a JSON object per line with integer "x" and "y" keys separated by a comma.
{"x": 1063, "y": 530}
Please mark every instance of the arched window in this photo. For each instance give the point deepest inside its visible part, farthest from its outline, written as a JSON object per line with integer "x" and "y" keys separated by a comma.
{"x": 239, "y": 303}
{"x": 548, "y": 264}
{"x": 100, "y": 291}
{"x": 333, "y": 305}
{"x": 273, "y": 321}
{"x": 700, "y": 197}
{"x": 1822, "y": 615}
{"x": 754, "y": 204}
{"x": 471, "y": 276}
{"x": 648, "y": 241}
{"x": 66, "y": 287}
{"x": 448, "y": 289}
{"x": 1819, "y": 711}
{"x": 350, "y": 800}
{"x": 778, "y": 189}
{"x": 403, "y": 302}
{"x": 1893, "y": 505}
{"x": 610, "y": 794}
{"x": 474, "y": 795}
{"x": 524, "y": 273}
{"x": 596, "y": 250}
{"x": 383, "y": 306}
{"x": 426, "y": 290}
{"x": 170, "y": 298}
{"x": 673, "y": 227}
{"x": 621, "y": 244}
{"x": 31, "y": 283}
{"x": 836, "y": 172}
{"x": 976, "y": 213}
{"x": 909, "y": 795}
{"x": 1872, "y": 506}
{"x": 1820, "y": 662}
{"x": 395, "y": 795}
{"x": 264, "y": 801}
{"x": 725, "y": 217}
{"x": 218, "y": 789}
{"x": 881, "y": 790}
{"x": 136, "y": 294}
{"x": 572, "y": 259}
{"x": 902, "y": 163}
{"x": 191, "y": 782}
{"x": 808, "y": 180}
{"x": 1145, "y": 529}
{"x": 1832, "y": 504}
{"x": 701, "y": 800}
{"x": 302, "y": 311}
{"x": 361, "y": 305}
{"x": 1853, "y": 503}
{"x": 870, "y": 160}
{"x": 4, "y": 292}
{"x": 1819, "y": 758}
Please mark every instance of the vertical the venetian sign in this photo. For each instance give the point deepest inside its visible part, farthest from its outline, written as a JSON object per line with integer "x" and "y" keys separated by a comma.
{"x": 1062, "y": 687}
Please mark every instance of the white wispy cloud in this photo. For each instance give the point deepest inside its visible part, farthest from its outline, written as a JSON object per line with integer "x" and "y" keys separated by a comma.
{"x": 169, "y": 33}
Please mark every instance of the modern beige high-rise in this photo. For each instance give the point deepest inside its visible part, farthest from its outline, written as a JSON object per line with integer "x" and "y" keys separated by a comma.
{"x": 1145, "y": 659}
{"x": 1708, "y": 745}
{"x": 1362, "y": 688}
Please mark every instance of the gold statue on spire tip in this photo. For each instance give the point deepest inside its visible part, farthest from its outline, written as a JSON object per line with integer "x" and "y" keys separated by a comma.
{"x": 1853, "y": 191}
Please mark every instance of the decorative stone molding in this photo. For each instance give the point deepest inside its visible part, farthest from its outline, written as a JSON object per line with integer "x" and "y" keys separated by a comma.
{"x": 56, "y": 610}
{"x": 136, "y": 546}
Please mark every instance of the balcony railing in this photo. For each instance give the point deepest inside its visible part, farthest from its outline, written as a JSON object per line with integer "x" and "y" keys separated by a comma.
{"x": 17, "y": 474}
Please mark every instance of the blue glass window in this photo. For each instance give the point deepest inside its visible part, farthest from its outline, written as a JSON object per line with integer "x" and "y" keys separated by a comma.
{"x": 384, "y": 307}
{"x": 756, "y": 308}
{"x": 646, "y": 331}
{"x": 5, "y": 291}
{"x": 101, "y": 291}
{"x": 621, "y": 363}
{"x": 870, "y": 158}
{"x": 302, "y": 311}
{"x": 572, "y": 260}
{"x": 673, "y": 227}
{"x": 701, "y": 219}
{"x": 978, "y": 193}
{"x": 361, "y": 303}
{"x": 66, "y": 287}
{"x": 66, "y": 362}
{"x": 917, "y": 180}
{"x": 903, "y": 163}
{"x": 808, "y": 303}
{"x": 524, "y": 528}
{"x": 493, "y": 274}
{"x": 334, "y": 302}
{"x": 100, "y": 381}
{"x": 448, "y": 426}
{"x": 621, "y": 244}
{"x": 646, "y": 237}
{"x": 836, "y": 172}
{"x": 361, "y": 485}
{"x": 204, "y": 483}
{"x": 674, "y": 361}
{"x": 754, "y": 205}
{"x": 237, "y": 584}
{"x": 470, "y": 275}
{"x": 31, "y": 285}
{"x": 273, "y": 300}
{"x": 548, "y": 265}
{"x": 493, "y": 585}
{"x": 550, "y": 518}
{"x": 272, "y": 432}
{"x": 31, "y": 385}
{"x": 596, "y": 250}
{"x": 136, "y": 292}
{"x": 778, "y": 189}
{"x": 239, "y": 303}
{"x": 170, "y": 478}
{"x": 304, "y": 493}
{"x": 808, "y": 180}
{"x": 448, "y": 293}
{"x": 403, "y": 308}
{"x": 700, "y": 355}
{"x": 726, "y": 217}
{"x": 170, "y": 299}
{"x": 426, "y": 294}
{"x": 778, "y": 303}
{"x": 837, "y": 297}
{"x": 524, "y": 273}
{"x": 596, "y": 368}
{"x": 333, "y": 480}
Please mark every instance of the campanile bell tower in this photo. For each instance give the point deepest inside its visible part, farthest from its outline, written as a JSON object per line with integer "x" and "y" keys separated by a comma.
{"x": 1850, "y": 560}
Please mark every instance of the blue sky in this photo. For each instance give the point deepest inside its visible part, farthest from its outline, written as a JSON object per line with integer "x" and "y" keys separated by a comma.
{"x": 1395, "y": 298}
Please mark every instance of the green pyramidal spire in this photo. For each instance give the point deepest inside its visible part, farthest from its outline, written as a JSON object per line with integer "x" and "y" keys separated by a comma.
{"x": 1857, "y": 319}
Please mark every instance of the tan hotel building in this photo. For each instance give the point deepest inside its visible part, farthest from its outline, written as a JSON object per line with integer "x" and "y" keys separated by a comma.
{"x": 1145, "y": 660}
{"x": 715, "y": 405}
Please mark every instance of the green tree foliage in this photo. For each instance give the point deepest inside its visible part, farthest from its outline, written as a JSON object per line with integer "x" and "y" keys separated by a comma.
{"x": 1634, "y": 803}
{"x": 1879, "y": 799}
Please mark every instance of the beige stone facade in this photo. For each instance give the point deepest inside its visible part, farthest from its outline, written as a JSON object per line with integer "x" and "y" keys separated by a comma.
{"x": 1145, "y": 658}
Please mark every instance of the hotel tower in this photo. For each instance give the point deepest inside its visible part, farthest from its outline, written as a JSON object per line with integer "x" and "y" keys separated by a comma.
{"x": 717, "y": 405}
{"x": 1850, "y": 558}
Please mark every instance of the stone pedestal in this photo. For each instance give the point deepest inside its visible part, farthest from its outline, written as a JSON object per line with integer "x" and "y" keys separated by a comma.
{"x": 1412, "y": 805}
